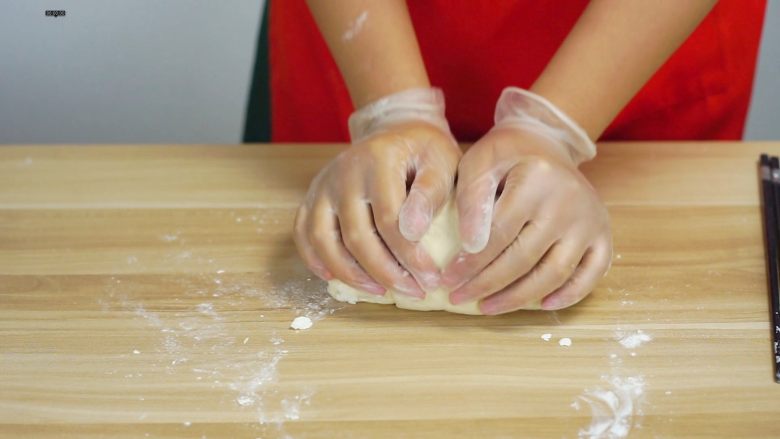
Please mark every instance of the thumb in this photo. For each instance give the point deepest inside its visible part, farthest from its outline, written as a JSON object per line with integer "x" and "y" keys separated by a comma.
{"x": 429, "y": 191}
{"x": 475, "y": 199}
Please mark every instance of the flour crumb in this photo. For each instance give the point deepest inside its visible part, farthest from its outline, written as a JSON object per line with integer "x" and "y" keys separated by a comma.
{"x": 632, "y": 340}
{"x": 614, "y": 410}
{"x": 245, "y": 400}
{"x": 170, "y": 237}
{"x": 546, "y": 337}
{"x": 565, "y": 342}
{"x": 301, "y": 322}
{"x": 136, "y": 351}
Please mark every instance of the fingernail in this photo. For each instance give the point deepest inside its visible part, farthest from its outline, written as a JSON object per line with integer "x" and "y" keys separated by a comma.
{"x": 409, "y": 288}
{"x": 372, "y": 288}
{"x": 415, "y": 217}
{"x": 416, "y": 292}
{"x": 490, "y": 308}
{"x": 478, "y": 230}
{"x": 458, "y": 296}
{"x": 452, "y": 277}
{"x": 552, "y": 303}
{"x": 478, "y": 241}
{"x": 430, "y": 281}
{"x": 321, "y": 272}
{"x": 450, "y": 281}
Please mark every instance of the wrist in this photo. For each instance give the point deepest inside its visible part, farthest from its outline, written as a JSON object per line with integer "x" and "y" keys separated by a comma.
{"x": 414, "y": 104}
{"x": 521, "y": 108}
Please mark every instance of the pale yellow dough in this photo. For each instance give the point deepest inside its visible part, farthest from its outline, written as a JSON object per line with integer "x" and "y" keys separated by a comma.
{"x": 442, "y": 241}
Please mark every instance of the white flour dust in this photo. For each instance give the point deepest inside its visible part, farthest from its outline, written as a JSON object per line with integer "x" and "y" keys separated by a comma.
{"x": 170, "y": 237}
{"x": 355, "y": 27}
{"x": 613, "y": 409}
{"x": 206, "y": 313}
{"x": 301, "y": 323}
{"x": 632, "y": 339}
{"x": 617, "y": 408}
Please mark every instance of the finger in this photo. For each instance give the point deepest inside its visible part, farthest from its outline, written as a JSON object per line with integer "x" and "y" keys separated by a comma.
{"x": 479, "y": 174}
{"x": 552, "y": 271}
{"x": 593, "y": 267}
{"x": 516, "y": 203}
{"x": 363, "y": 242}
{"x": 325, "y": 236}
{"x": 517, "y": 260}
{"x": 429, "y": 191}
{"x": 388, "y": 192}
{"x": 301, "y": 239}
{"x": 475, "y": 211}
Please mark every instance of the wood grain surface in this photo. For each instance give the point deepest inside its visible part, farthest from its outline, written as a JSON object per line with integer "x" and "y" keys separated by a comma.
{"x": 147, "y": 291}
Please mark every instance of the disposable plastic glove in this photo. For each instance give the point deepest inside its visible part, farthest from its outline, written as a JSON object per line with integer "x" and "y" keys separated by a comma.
{"x": 367, "y": 209}
{"x": 533, "y": 228}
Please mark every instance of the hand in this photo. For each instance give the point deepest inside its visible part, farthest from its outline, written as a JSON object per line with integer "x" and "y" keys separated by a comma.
{"x": 360, "y": 224}
{"x": 533, "y": 228}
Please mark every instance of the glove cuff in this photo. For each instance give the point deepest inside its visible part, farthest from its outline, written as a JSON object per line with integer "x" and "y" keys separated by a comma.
{"x": 426, "y": 104}
{"x": 522, "y": 107}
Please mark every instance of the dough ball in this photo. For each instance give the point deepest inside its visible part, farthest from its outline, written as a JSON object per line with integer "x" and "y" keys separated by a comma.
{"x": 442, "y": 241}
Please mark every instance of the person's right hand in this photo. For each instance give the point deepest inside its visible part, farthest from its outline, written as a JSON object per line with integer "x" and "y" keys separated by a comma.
{"x": 366, "y": 211}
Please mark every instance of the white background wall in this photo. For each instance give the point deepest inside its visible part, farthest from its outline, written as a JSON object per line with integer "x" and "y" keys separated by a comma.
{"x": 764, "y": 117}
{"x": 126, "y": 70}
{"x": 178, "y": 71}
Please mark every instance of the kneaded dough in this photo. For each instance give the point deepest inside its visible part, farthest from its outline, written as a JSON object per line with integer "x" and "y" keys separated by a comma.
{"x": 442, "y": 241}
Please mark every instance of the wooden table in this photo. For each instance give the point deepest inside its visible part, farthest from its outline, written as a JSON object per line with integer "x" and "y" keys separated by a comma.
{"x": 147, "y": 291}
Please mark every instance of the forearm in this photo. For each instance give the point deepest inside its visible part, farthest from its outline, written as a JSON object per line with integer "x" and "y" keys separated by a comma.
{"x": 611, "y": 52}
{"x": 374, "y": 45}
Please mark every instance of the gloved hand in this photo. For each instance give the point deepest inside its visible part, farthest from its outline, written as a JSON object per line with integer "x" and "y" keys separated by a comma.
{"x": 533, "y": 228}
{"x": 365, "y": 212}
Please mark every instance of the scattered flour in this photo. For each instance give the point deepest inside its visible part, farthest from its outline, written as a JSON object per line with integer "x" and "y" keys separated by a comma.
{"x": 170, "y": 237}
{"x": 617, "y": 408}
{"x": 301, "y": 323}
{"x": 292, "y": 405}
{"x": 248, "y": 372}
{"x": 633, "y": 339}
{"x": 251, "y": 388}
{"x": 546, "y": 337}
{"x": 613, "y": 409}
{"x": 565, "y": 342}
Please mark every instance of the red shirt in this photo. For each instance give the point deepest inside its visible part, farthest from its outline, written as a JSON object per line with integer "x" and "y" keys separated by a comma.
{"x": 472, "y": 50}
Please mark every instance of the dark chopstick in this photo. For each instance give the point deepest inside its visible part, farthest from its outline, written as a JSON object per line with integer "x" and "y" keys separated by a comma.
{"x": 770, "y": 185}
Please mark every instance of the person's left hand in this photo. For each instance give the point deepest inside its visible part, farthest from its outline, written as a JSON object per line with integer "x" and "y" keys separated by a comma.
{"x": 532, "y": 226}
